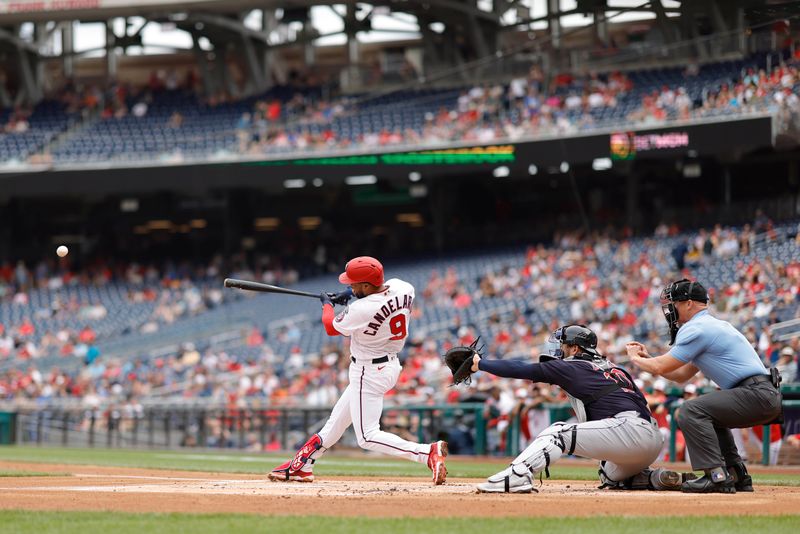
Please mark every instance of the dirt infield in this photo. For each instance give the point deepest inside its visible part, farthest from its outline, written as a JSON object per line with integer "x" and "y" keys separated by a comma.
{"x": 146, "y": 490}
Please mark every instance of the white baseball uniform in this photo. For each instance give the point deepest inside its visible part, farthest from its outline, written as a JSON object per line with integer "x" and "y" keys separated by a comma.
{"x": 378, "y": 327}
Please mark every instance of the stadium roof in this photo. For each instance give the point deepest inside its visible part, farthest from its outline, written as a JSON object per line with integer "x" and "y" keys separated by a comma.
{"x": 503, "y": 12}
{"x": 38, "y": 10}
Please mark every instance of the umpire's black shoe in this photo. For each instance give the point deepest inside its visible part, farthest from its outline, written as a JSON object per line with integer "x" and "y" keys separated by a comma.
{"x": 715, "y": 480}
{"x": 742, "y": 481}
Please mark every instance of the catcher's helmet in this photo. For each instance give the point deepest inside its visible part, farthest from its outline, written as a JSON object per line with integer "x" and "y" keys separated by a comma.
{"x": 362, "y": 269}
{"x": 574, "y": 334}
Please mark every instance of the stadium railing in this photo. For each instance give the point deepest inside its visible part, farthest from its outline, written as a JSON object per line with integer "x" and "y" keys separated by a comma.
{"x": 785, "y": 330}
{"x": 261, "y": 427}
{"x": 254, "y": 427}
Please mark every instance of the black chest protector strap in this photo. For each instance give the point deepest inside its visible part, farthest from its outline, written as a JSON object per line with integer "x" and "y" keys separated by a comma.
{"x": 610, "y": 388}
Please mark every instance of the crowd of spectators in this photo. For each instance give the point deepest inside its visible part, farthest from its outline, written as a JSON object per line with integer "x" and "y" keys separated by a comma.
{"x": 527, "y": 107}
{"x": 570, "y": 277}
{"x": 71, "y": 306}
{"x": 17, "y": 121}
{"x": 610, "y": 283}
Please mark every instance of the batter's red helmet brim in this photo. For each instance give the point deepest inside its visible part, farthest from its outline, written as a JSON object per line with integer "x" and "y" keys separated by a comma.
{"x": 343, "y": 278}
{"x": 362, "y": 269}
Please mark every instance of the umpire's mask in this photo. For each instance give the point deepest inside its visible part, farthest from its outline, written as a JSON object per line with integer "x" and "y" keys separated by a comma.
{"x": 679, "y": 291}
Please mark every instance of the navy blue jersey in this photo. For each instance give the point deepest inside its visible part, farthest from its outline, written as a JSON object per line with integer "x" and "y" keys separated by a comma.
{"x": 582, "y": 379}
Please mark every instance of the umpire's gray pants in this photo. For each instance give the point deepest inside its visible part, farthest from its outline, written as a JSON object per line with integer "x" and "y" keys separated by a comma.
{"x": 706, "y": 421}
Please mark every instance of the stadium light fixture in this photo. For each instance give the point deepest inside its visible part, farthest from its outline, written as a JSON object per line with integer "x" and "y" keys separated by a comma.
{"x": 418, "y": 191}
{"x": 265, "y": 224}
{"x": 129, "y": 205}
{"x": 692, "y": 170}
{"x": 295, "y": 183}
{"x": 601, "y": 164}
{"x": 309, "y": 223}
{"x": 367, "y": 179}
{"x": 159, "y": 224}
{"x": 411, "y": 219}
{"x": 501, "y": 172}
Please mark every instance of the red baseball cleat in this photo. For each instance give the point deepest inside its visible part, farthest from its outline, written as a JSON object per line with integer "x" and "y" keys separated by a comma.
{"x": 436, "y": 462}
{"x": 283, "y": 473}
{"x": 298, "y": 469}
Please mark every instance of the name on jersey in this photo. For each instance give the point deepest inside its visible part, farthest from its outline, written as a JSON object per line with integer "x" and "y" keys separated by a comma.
{"x": 391, "y": 306}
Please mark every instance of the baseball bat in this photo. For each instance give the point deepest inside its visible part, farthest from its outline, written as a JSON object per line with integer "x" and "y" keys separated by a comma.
{"x": 265, "y": 288}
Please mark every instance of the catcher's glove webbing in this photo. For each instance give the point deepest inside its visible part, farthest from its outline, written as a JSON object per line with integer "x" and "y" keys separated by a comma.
{"x": 459, "y": 360}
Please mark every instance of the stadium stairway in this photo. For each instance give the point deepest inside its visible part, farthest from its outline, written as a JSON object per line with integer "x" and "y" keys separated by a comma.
{"x": 47, "y": 120}
{"x": 74, "y": 130}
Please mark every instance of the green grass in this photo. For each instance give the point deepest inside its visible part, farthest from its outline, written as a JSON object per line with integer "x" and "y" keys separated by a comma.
{"x": 122, "y": 523}
{"x": 776, "y": 479}
{"x": 235, "y": 462}
{"x": 13, "y": 473}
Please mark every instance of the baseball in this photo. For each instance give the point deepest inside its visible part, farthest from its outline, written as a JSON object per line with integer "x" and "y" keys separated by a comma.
{"x": 62, "y": 251}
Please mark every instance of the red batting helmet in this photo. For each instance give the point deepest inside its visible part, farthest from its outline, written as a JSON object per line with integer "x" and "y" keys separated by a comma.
{"x": 362, "y": 269}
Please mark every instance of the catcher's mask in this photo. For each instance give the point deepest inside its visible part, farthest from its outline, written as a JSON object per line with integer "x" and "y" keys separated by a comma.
{"x": 679, "y": 291}
{"x": 575, "y": 334}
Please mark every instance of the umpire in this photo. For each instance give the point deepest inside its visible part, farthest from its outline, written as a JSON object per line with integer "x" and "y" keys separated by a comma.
{"x": 749, "y": 394}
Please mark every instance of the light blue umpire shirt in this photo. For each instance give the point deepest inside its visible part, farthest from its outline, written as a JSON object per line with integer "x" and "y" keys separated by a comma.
{"x": 720, "y": 351}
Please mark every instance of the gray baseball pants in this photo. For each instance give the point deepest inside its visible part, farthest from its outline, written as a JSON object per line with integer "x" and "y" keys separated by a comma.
{"x": 706, "y": 421}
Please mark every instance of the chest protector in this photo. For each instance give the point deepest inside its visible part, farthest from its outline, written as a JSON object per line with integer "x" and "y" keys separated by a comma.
{"x": 578, "y": 405}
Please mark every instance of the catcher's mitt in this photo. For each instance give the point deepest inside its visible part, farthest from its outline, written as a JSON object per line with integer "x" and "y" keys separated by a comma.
{"x": 459, "y": 360}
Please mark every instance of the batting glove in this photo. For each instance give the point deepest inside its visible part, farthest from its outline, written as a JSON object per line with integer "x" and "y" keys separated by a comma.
{"x": 342, "y": 297}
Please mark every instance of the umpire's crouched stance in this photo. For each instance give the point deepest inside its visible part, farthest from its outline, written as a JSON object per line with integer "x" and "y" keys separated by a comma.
{"x": 749, "y": 394}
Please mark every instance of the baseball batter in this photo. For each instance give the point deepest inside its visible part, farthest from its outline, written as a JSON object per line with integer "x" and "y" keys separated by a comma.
{"x": 614, "y": 423}
{"x": 377, "y": 324}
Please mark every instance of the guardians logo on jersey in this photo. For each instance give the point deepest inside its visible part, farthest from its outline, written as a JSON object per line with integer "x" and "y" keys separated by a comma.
{"x": 620, "y": 378}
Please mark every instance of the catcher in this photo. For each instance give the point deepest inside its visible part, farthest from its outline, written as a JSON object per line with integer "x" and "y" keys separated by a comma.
{"x": 614, "y": 425}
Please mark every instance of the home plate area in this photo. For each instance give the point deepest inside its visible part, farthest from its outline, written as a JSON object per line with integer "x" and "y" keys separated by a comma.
{"x": 140, "y": 490}
{"x": 329, "y": 487}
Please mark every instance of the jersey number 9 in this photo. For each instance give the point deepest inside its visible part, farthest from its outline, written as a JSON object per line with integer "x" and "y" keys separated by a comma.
{"x": 397, "y": 326}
